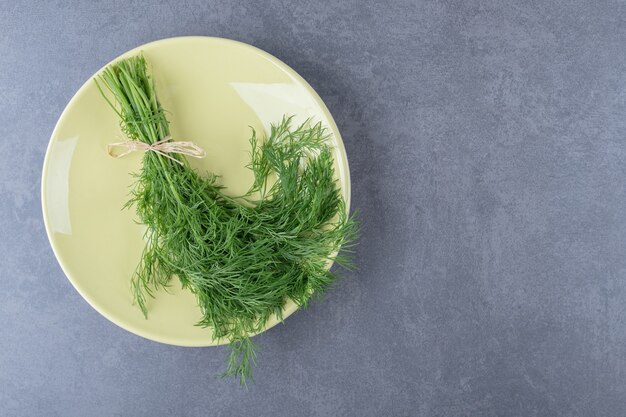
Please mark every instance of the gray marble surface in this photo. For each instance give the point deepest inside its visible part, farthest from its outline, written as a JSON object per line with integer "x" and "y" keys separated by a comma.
{"x": 486, "y": 143}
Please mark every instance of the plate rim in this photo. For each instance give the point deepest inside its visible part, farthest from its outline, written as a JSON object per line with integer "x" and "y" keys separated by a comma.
{"x": 289, "y": 309}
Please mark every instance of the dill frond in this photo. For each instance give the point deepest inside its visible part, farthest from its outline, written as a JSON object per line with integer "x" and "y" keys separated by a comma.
{"x": 243, "y": 258}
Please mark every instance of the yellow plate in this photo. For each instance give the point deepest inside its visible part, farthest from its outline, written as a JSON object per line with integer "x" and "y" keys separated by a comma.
{"x": 214, "y": 90}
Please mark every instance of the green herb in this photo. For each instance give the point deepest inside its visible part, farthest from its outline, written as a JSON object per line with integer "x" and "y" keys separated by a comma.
{"x": 242, "y": 257}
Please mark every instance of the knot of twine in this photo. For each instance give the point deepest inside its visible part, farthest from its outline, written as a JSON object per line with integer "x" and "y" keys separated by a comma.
{"x": 162, "y": 147}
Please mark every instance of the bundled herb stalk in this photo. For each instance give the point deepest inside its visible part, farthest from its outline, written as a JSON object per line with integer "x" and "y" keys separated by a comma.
{"x": 242, "y": 257}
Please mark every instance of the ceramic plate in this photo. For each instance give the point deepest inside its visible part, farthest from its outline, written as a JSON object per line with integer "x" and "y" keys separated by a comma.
{"x": 214, "y": 90}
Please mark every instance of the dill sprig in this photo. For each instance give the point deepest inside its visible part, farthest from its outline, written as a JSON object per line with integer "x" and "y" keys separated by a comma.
{"x": 242, "y": 257}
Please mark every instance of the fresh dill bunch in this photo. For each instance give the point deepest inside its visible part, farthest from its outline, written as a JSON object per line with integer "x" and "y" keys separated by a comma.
{"x": 244, "y": 257}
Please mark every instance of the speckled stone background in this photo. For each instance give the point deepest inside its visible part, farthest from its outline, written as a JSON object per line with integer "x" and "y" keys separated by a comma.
{"x": 487, "y": 143}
